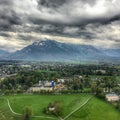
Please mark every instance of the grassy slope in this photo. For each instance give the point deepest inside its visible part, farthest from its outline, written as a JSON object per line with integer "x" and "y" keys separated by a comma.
{"x": 96, "y": 110}
{"x": 38, "y": 102}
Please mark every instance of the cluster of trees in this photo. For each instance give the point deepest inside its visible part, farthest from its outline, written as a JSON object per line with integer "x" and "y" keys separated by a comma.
{"x": 105, "y": 85}
{"x": 54, "y": 108}
{"x": 88, "y": 70}
{"x": 81, "y": 83}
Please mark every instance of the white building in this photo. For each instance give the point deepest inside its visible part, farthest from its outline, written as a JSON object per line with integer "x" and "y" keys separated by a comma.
{"x": 40, "y": 88}
{"x": 112, "y": 97}
{"x": 60, "y": 80}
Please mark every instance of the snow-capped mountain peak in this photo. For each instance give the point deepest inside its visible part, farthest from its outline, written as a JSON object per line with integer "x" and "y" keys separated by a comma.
{"x": 51, "y": 50}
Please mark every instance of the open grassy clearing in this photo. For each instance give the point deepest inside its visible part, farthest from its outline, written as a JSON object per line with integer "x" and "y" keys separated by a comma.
{"x": 96, "y": 109}
{"x": 38, "y": 102}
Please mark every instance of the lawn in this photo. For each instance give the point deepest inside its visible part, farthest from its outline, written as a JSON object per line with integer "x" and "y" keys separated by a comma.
{"x": 38, "y": 102}
{"x": 95, "y": 109}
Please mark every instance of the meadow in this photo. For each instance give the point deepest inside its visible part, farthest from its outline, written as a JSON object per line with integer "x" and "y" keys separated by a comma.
{"x": 95, "y": 109}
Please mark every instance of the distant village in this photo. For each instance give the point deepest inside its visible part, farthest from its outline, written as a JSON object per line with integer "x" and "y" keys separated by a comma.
{"x": 48, "y": 86}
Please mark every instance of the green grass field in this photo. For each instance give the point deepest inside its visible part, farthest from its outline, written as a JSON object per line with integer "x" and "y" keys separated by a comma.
{"x": 5, "y": 113}
{"x": 95, "y": 109}
{"x": 38, "y": 102}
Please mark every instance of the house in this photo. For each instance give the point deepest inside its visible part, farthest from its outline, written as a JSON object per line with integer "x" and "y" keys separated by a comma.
{"x": 112, "y": 97}
{"x": 43, "y": 85}
{"x": 47, "y": 86}
{"x": 51, "y": 108}
{"x": 60, "y": 80}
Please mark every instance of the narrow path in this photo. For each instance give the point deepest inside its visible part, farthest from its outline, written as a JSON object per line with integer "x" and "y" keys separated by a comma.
{"x": 77, "y": 108}
{"x": 12, "y": 109}
{"x": 8, "y": 102}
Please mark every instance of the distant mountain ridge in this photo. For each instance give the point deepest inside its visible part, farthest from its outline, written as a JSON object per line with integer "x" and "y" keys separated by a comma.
{"x": 50, "y": 50}
{"x": 3, "y": 53}
{"x": 112, "y": 52}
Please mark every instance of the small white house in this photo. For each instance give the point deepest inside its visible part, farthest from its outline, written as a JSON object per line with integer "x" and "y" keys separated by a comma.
{"x": 60, "y": 80}
{"x": 51, "y": 108}
{"x": 112, "y": 97}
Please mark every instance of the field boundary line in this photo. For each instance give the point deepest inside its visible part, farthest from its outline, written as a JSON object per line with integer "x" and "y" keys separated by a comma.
{"x": 77, "y": 108}
{"x": 8, "y": 103}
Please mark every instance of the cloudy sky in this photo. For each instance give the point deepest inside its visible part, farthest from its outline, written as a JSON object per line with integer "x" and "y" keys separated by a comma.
{"x": 91, "y": 22}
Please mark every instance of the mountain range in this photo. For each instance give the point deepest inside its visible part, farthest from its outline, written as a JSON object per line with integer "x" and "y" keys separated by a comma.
{"x": 50, "y": 50}
{"x": 3, "y": 53}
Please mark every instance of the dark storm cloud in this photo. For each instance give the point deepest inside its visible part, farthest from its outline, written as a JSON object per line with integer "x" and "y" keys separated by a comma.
{"x": 90, "y": 20}
{"x": 55, "y": 29}
{"x": 6, "y": 2}
{"x": 76, "y": 12}
{"x": 51, "y": 3}
{"x": 115, "y": 18}
{"x": 8, "y": 16}
{"x": 4, "y": 34}
{"x": 9, "y": 23}
{"x": 49, "y": 28}
{"x": 56, "y": 15}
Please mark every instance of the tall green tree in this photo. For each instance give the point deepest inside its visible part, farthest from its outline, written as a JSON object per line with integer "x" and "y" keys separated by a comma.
{"x": 27, "y": 113}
